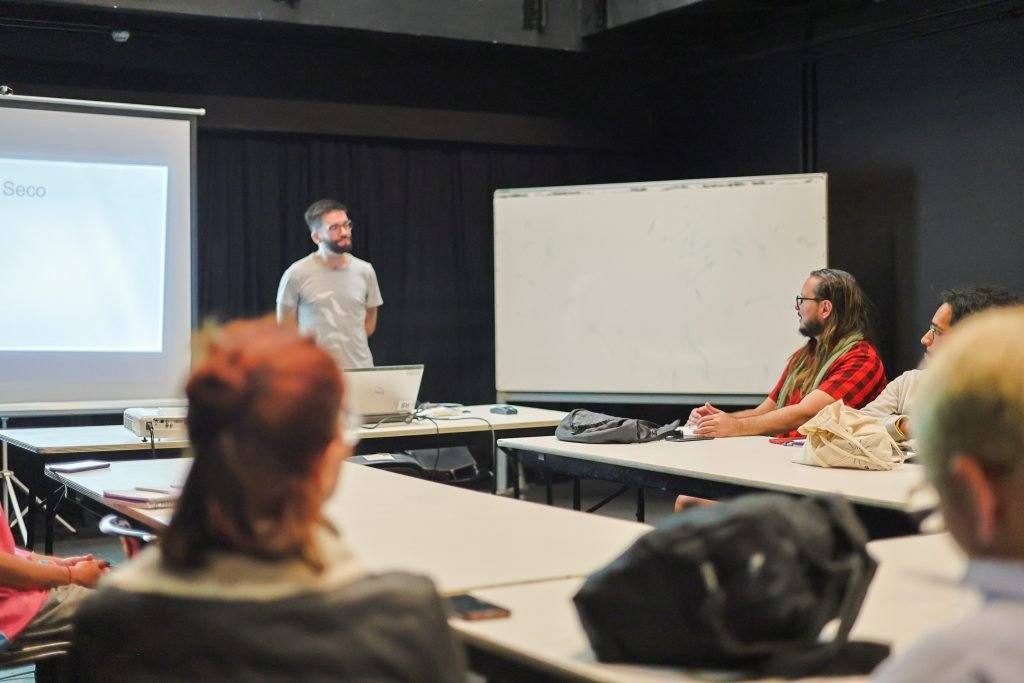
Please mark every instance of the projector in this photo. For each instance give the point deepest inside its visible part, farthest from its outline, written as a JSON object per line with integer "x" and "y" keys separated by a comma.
{"x": 160, "y": 423}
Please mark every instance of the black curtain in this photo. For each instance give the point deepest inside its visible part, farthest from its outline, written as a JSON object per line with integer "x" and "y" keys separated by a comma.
{"x": 423, "y": 218}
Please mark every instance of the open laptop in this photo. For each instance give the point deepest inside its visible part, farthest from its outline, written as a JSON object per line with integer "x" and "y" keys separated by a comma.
{"x": 388, "y": 391}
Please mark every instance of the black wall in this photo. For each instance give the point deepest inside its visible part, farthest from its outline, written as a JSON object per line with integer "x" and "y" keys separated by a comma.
{"x": 426, "y": 130}
{"x": 924, "y": 142}
{"x": 913, "y": 108}
{"x": 918, "y": 119}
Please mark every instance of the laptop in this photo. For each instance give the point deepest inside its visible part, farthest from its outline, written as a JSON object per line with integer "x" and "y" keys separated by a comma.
{"x": 388, "y": 391}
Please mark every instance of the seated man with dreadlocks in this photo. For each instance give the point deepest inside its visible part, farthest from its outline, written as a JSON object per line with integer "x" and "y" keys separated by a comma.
{"x": 838, "y": 362}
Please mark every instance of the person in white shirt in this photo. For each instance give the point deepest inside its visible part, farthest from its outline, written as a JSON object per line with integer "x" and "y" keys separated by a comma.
{"x": 893, "y": 404}
{"x": 331, "y": 293}
{"x": 969, "y": 417}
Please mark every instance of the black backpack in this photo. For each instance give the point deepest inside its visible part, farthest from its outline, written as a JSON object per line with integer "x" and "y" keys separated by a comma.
{"x": 746, "y": 585}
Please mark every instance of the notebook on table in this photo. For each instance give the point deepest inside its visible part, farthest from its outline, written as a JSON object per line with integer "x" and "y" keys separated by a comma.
{"x": 145, "y": 497}
{"x": 389, "y": 391}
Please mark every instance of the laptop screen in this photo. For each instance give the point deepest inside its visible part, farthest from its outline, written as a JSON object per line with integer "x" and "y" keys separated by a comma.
{"x": 384, "y": 391}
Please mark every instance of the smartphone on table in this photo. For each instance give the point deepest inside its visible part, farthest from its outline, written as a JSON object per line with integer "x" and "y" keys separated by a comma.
{"x": 470, "y": 608}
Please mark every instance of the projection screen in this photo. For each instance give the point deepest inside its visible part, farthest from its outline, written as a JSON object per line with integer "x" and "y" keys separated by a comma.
{"x": 97, "y": 218}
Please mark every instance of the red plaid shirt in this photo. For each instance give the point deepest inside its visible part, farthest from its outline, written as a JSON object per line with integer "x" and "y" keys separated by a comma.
{"x": 856, "y": 377}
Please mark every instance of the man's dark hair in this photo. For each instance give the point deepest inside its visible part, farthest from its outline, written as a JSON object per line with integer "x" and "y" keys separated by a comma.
{"x": 316, "y": 211}
{"x": 970, "y": 300}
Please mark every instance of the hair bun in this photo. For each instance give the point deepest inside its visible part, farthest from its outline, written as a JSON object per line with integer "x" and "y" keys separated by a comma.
{"x": 219, "y": 388}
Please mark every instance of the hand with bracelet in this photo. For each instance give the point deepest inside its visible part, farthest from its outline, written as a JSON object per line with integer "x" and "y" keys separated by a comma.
{"x": 80, "y": 570}
{"x": 43, "y": 592}
{"x": 87, "y": 572}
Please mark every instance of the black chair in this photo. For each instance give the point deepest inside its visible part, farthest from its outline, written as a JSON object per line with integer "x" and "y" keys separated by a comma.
{"x": 47, "y": 651}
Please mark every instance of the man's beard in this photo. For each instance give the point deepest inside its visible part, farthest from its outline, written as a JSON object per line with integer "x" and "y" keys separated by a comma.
{"x": 336, "y": 248}
{"x": 812, "y": 328}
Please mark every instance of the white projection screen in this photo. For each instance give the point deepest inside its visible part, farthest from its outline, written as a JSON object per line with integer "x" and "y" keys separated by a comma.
{"x": 97, "y": 216}
{"x": 653, "y": 292}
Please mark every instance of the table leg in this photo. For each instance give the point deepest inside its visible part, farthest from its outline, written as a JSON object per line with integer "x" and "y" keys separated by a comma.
{"x": 640, "y": 511}
{"x": 515, "y": 474}
{"x": 51, "y": 504}
{"x": 501, "y": 471}
{"x": 576, "y": 504}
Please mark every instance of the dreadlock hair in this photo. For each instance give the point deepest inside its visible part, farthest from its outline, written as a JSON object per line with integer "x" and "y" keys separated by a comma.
{"x": 849, "y": 316}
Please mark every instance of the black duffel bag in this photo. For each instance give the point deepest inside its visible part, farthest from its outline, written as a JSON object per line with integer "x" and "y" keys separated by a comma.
{"x": 747, "y": 585}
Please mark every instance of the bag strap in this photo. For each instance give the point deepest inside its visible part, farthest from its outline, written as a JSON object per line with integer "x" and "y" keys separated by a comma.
{"x": 788, "y": 658}
{"x": 652, "y": 431}
{"x": 860, "y": 569}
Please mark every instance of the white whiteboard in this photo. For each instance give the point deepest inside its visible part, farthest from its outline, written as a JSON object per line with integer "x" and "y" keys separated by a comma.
{"x": 679, "y": 287}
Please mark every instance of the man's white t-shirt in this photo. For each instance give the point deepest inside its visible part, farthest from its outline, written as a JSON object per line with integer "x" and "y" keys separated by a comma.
{"x": 331, "y": 303}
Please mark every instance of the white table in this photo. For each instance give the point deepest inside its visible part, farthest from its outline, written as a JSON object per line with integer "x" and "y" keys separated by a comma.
{"x": 110, "y": 438}
{"x": 472, "y": 419}
{"x": 533, "y": 558}
{"x": 719, "y": 468}
{"x": 914, "y": 591}
{"x": 462, "y": 539}
{"x": 74, "y": 440}
{"x": 52, "y": 444}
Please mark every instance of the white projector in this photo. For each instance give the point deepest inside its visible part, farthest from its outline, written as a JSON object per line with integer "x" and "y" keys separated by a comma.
{"x": 159, "y": 423}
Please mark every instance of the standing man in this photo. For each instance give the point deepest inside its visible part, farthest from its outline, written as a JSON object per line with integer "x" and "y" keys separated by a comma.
{"x": 331, "y": 293}
{"x": 838, "y": 362}
{"x": 893, "y": 404}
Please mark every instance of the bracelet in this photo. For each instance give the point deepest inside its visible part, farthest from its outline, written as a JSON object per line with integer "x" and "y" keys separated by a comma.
{"x": 69, "y": 574}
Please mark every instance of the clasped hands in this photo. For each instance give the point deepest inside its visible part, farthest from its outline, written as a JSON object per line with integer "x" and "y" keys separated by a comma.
{"x": 712, "y": 421}
{"x": 85, "y": 570}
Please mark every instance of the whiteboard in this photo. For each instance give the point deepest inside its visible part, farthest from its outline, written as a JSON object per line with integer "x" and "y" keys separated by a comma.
{"x": 669, "y": 288}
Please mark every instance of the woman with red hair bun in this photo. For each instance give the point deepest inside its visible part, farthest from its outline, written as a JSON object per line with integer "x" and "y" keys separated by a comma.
{"x": 250, "y": 582}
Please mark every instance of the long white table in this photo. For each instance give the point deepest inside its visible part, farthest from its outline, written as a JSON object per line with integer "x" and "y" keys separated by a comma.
{"x": 50, "y": 444}
{"x": 720, "y": 468}
{"x": 75, "y": 440}
{"x": 915, "y": 590}
{"x": 471, "y": 419}
{"x": 112, "y": 438}
{"x": 462, "y": 539}
{"x": 533, "y": 558}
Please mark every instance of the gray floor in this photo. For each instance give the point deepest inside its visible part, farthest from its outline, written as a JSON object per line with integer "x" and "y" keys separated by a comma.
{"x": 89, "y": 540}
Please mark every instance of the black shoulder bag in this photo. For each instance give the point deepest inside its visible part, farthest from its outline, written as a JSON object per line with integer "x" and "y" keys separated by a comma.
{"x": 749, "y": 585}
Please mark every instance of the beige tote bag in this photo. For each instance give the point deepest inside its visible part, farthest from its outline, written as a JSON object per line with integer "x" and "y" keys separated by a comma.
{"x": 839, "y": 436}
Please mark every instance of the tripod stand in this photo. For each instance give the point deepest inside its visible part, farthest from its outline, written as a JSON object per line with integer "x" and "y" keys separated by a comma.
{"x": 10, "y": 495}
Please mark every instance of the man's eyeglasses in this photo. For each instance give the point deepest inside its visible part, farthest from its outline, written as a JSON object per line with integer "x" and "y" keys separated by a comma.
{"x": 801, "y": 299}
{"x": 338, "y": 227}
{"x": 935, "y": 331}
